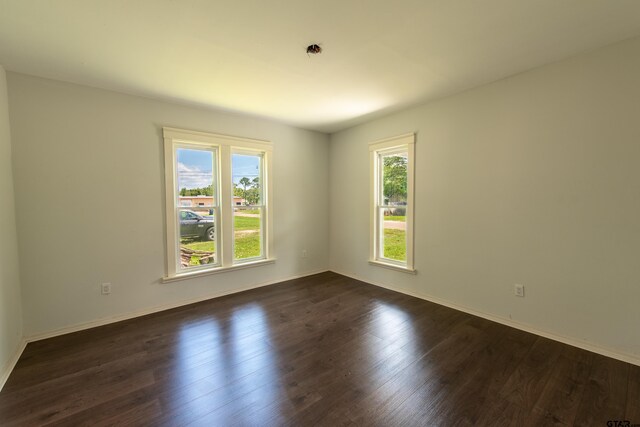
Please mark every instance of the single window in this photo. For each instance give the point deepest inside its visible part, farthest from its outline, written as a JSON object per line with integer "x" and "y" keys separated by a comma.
{"x": 392, "y": 202}
{"x": 204, "y": 175}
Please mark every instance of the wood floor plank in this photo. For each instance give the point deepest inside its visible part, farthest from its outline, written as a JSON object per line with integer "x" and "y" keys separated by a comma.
{"x": 55, "y": 402}
{"x": 560, "y": 400}
{"x": 605, "y": 394}
{"x": 485, "y": 371}
{"x": 429, "y": 373}
{"x": 526, "y": 384}
{"x": 321, "y": 350}
{"x": 632, "y": 412}
{"x": 132, "y": 409}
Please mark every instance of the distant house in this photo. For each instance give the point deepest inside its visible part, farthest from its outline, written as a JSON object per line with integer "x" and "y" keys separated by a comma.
{"x": 195, "y": 201}
{"x": 204, "y": 201}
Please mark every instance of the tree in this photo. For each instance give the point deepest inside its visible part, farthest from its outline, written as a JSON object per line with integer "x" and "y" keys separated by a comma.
{"x": 237, "y": 191}
{"x": 395, "y": 178}
{"x": 253, "y": 194}
{"x": 246, "y": 183}
{"x": 201, "y": 191}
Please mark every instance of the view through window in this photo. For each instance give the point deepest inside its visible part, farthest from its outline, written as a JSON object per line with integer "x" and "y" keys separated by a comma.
{"x": 217, "y": 201}
{"x": 197, "y": 207}
{"x": 392, "y": 202}
{"x": 248, "y": 208}
{"x": 393, "y": 209}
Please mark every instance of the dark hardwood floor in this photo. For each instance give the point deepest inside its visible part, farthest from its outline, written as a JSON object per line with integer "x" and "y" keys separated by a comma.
{"x": 322, "y": 350}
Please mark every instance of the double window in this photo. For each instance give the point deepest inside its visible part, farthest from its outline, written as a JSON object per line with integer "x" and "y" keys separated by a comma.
{"x": 392, "y": 202}
{"x": 218, "y": 197}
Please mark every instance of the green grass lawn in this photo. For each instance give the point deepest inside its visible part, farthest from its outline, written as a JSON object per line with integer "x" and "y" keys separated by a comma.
{"x": 395, "y": 246}
{"x": 395, "y": 218}
{"x": 249, "y": 211}
{"x": 246, "y": 223}
{"x": 247, "y": 245}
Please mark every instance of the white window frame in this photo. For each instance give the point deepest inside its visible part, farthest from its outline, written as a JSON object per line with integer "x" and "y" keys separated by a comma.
{"x": 224, "y": 147}
{"x": 402, "y": 143}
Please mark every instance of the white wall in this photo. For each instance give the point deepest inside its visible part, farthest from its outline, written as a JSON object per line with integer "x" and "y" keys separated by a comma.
{"x": 10, "y": 304}
{"x": 90, "y": 196}
{"x": 534, "y": 179}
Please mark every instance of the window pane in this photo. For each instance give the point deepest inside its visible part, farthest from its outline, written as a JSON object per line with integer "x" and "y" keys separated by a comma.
{"x": 196, "y": 203}
{"x": 195, "y": 180}
{"x": 197, "y": 238}
{"x": 247, "y": 177}
{"x": 247, "y": 224}
{"x": 247, "y": 202}
{"x": 393, "y": 233}
{"x": 394, "y": 179}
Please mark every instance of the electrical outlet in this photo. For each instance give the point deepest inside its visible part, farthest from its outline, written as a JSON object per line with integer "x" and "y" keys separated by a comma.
{"x": 518, "y": 290}
{"x": 304, "y": 253}
{"x": 105, "y": 288}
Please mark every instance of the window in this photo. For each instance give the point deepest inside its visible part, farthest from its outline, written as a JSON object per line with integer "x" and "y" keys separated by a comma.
{"x": 391, "y": 243}
{"x": 218, "y": 202}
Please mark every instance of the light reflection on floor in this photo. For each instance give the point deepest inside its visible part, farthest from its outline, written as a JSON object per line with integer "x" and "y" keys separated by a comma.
{"x": 396, "y": 328}
{"x": 198, "y": 354}
{"x": 388, "y": 320}
{"x": 218, "y": 356}
{"x": 213, "y": 355}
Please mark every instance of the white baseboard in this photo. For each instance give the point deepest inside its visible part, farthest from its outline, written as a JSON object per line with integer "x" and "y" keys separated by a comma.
{"x": 126, "y": 316}
{"x": 8, "y": 367}
{"x": 585, "y": 345}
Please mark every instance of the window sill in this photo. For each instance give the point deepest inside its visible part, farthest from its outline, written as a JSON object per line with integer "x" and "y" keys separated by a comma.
{"x": 216, "y": 270}
{"x": 390, "y": 266}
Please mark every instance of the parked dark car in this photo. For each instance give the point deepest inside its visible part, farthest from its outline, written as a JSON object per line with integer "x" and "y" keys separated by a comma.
{"x": 196, "y": 226}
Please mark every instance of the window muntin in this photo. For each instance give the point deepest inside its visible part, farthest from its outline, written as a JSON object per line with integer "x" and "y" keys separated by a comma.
{"x": 201, "y": 202}
{"x": 392, "y": 202}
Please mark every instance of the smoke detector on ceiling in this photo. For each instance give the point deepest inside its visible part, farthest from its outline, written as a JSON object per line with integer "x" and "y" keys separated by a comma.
{"x": 314, "y": 49}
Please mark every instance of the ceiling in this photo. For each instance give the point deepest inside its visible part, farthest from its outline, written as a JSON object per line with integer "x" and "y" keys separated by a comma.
{"x": 250, "y": 55}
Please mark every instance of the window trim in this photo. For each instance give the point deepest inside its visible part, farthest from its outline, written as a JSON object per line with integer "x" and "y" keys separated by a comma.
{"x": 225, "y": 146}
{"x": 404, "y": 142}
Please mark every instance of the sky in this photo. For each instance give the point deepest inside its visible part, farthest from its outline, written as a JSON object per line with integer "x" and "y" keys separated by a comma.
{"x": 195, "y": 167}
